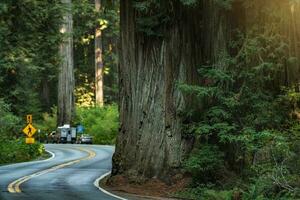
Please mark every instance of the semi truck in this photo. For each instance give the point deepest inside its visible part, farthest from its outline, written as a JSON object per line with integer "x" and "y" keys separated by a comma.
{"x": 66, "y": 134}
{"x": 63, "y": 134}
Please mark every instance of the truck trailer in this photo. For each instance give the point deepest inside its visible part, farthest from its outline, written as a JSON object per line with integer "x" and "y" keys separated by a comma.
{"x": 66, "y": 134}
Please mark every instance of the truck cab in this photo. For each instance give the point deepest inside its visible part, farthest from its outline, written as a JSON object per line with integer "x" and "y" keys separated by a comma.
{"x": 66, "y": 134}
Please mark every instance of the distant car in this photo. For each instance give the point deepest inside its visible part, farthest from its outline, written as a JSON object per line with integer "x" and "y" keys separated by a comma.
{"x": 85, "y": 139}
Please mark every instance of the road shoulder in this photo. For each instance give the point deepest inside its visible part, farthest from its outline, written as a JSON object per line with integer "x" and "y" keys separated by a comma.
{"x": 131, "y": 192}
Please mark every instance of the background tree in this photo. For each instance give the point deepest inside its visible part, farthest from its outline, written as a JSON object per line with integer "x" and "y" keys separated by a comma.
{"x": 29, "y": 55}
{"x": 29, "y": 59}
{"x": 66, "y": 81}
{"x": 86, "y": 20}
{"x": 99, "y": 66}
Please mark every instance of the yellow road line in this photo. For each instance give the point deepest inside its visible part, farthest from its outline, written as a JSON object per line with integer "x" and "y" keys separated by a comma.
{"x": 14, "y": 187}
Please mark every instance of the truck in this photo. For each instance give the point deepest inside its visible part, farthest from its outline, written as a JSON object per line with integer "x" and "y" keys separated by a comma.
{"x": 66, "y": 134}
{"x": 63, "y": 134}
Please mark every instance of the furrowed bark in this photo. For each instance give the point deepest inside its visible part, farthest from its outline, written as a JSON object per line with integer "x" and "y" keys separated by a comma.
{"x": 66, "y": 82}
{"x": 151, "y": 142}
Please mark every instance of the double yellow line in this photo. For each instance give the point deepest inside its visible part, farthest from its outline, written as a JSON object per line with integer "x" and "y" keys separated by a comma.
{"x": 14, "y": 187}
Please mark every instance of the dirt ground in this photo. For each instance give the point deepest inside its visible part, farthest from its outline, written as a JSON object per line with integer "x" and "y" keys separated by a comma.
{"x": 153, "y": 189}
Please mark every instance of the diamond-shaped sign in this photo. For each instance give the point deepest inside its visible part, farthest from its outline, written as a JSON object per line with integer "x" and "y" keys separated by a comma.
{"x": 29, "y": 130}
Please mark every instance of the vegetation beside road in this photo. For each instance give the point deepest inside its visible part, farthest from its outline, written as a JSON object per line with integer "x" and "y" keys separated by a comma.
{"x": 100, "y": 122}
{"x": 248, "y": 127}
{"x": 12, "y": 147}
{"x": 14, "y": 151}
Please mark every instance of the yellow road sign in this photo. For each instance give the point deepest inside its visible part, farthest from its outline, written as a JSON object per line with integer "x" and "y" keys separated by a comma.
{"x": 29, "y": 130}
{"x": 29, "y": 119}
{"x": 30, "y": 140}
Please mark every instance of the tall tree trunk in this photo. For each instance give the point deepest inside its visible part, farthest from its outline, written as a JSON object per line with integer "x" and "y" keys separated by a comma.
{"x": 66, "y": 82}
{"x": 98, "y": 61}
{"x": 46, "y": 93}
{"x": 151, "y": 142}
{"x": 215, "y": 34}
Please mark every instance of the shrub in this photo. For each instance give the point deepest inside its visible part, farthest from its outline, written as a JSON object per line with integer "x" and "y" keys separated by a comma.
{"x": 9, "y": 123}
{"x": 205, "y": 192}
{"x": 205, "y": 163}
{"x": 101, "y": 123}
{"x": 245, "y": 111}
{"x": 12, "y": 151}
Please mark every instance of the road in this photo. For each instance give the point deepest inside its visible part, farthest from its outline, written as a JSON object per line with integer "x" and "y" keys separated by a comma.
{"x": 69, "y": 175}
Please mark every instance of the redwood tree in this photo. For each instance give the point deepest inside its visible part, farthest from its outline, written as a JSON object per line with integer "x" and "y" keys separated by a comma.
{"x": 66, "y": 80}
{"x": 153, "y": 59}
{"x": 98, "y": 61}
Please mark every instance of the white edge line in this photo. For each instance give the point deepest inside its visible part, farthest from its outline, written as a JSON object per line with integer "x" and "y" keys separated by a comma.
{"x": 52, "y": 156}
{"x": 96, "y": 184}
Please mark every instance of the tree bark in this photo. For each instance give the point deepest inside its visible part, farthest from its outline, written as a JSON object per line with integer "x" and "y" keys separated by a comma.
{"x": 98, "y": 61}
{"x": 151, "y": 142}
{"x": 46, "y": 93}
{"x": 66, "y": 82}
{"x": 215, "y": 33}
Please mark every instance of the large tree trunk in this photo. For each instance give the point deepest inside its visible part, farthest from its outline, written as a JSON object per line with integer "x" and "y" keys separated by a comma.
{"x": 151, "y": 142}
{"x": 66, "y": 81}
{"x": 98, "y": 61}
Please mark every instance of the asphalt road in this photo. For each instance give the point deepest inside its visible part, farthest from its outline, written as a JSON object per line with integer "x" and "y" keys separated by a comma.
{"x": 69, "y": 175}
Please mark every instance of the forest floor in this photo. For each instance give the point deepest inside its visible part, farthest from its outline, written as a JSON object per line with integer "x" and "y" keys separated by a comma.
{"x": 151, "y": 190}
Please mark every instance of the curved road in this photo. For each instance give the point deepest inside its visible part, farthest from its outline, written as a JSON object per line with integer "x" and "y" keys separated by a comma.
{"x": 67, "y": 176}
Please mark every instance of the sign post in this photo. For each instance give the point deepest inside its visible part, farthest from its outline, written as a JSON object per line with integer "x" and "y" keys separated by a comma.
{"x": 29, "y": 130}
